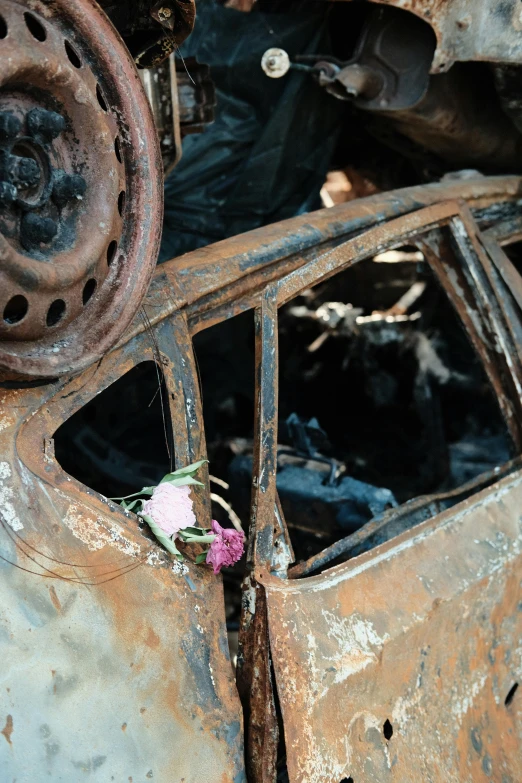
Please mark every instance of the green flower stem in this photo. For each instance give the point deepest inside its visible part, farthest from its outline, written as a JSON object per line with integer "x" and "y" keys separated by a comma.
{"x": 167, "y": 542}
{"x": 197, "y": 539}
{"x": 144, "y": 491}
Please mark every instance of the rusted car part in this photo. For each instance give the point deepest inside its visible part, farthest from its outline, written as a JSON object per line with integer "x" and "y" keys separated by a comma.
{"x": 345, "y": 684}
{"x": 465, "y": 31}
{"x": 182, "y": 97}
{"x": 447, "y": 114}
{"x": 478, "y": 30}
{"x": 161, "y": 87}
{"x": 152, "y": 29}
{"x": 405, "y": 661}
{"x": 390, "y": 66}
{"x": 80, "y": 192}
{"x": 165, "y": 699}
{"x": 387, "y": 525}
{"x": 197, "y": 97}
{"x": 249, "y": 270}
{"x": 120, "y": 667}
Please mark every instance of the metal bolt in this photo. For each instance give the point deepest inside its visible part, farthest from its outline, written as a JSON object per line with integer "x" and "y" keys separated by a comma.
{"x": 36, "y": 230}
{"x": 24, "y": 172}
{"x": 67, "y": 187}
{"x": 41, "y": 122}
{"x": 275, "y": 63}
{"x": 10, "y": 126}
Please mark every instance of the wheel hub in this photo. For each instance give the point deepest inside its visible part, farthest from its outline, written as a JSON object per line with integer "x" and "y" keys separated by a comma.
{"x": 33, "y": 192}
{"x": 80, "y": 187}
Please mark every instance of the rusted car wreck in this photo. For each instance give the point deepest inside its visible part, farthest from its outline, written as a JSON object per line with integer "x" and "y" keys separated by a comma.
{"x": 373, "y": 632}
{"x": 399, "y": 662}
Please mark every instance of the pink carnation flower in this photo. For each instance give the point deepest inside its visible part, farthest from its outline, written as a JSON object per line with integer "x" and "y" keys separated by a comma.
{"x": 171, "y": 508}
{"x": 227, "y": 547}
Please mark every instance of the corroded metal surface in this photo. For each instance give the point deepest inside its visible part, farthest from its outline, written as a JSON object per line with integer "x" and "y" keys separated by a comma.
{"x": 254, "y": 676}
{"x": 79, "y": 232}
{"x": 422, "y": 632}
{"x": 478, "y": 30}
{"x": 130, "y": 675}
{"x": 120, "y": 667}
{"x": 351, "y": 657}
{"x": 389, "y": 524}
{"x": 367, "y": 688}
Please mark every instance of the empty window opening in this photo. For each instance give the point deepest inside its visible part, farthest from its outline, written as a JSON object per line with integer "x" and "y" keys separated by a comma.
{"x": 511, "y": 694}
{"x": 381, "y": 399}
{"x": 121, "y": 440}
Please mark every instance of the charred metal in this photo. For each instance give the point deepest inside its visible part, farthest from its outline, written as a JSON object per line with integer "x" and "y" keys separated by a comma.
{"x": 349, "y": 377}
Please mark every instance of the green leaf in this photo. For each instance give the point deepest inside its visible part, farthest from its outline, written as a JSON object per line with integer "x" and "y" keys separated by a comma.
{"x": 188, "y": 470}
{"x": 180, "y": 481}
{"x": 162, "y": 537}
{"x": 201, "y": 558}
{"x": 191, "y": 468}
{"x": 144, "y": 491}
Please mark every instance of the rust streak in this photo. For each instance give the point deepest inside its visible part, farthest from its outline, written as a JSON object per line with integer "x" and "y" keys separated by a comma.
{"x": 8, "y": 729}
{"x": 54, "y": 598}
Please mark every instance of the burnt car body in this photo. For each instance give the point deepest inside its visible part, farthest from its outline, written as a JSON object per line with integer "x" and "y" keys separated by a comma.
{"x": 116, "y": 661}
{"x": 378, "y": 615}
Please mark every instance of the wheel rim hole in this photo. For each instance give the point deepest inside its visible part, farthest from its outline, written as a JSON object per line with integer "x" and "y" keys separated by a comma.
{"x": 111, "y": 251}
{"x": 55, "y": 312}
{"x": 509, "y": 697}
{"x": 121, "y": 202}
{"x": 35, "y": 27}
{"x": 387, "y": 729}
{"x": 101, "y": 98}
{"x": 88, "y": 290}
{"x": 117, "y": 148}
{"x": 3, "y": 27}
{"x": 16, "y": 309}
{"x": 73, "y": 55}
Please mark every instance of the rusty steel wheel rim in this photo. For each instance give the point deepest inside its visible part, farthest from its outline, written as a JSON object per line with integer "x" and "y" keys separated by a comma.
{"x": 80, "y": 188}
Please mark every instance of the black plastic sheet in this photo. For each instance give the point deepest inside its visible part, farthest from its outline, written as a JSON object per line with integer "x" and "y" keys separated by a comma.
{"x": 266, "y": 156}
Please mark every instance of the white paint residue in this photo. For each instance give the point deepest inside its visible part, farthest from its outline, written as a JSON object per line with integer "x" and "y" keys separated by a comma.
{"x": 95, "y": 533}
{"x": 5, "y": 422}
{"x": 405, "y": 707}
{"x": 179, "y": 568}
{"x": 461, "y": 704}
{"x": 153, "y": 558}
{"x": 249, "y": 597}
{"x": 6, "y": 495}
{"x": 356, "y": 640}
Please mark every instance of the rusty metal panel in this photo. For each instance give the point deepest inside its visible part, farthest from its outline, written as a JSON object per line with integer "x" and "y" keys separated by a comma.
{"x": 402, "y": 663}
{"x": 115, "y": 661}
{"x": 423, "y": 632}
{"x": 119, "y": 668}
{"x": 469, "y": 30}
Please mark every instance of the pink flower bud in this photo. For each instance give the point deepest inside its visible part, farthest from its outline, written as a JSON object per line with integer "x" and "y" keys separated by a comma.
{"x": 171, "y": 508}
{"x": 227, "y": 547}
